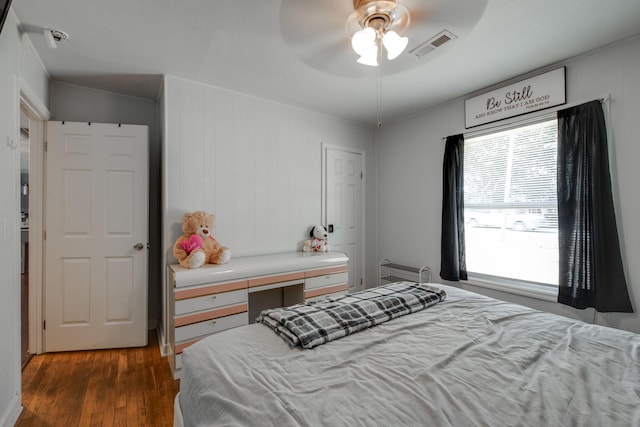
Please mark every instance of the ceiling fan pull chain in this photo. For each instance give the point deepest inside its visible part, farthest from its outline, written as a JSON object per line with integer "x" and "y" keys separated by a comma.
{"x": 379, "y": 94}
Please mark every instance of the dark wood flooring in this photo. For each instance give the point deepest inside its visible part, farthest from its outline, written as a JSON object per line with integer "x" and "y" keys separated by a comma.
{"x": 121, "y": 387}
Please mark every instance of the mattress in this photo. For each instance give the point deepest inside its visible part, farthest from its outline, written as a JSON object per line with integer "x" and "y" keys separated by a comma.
{"x": 468, "y": 360}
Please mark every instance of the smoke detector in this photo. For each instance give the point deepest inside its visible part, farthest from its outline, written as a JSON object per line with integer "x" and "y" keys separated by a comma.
{"x": 53, "y": 37}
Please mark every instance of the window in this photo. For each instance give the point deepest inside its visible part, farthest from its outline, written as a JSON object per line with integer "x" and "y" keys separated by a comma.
{"x": 510, "y": 204}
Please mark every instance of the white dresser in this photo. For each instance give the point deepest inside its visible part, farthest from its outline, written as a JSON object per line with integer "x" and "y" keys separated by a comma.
{"x": 213, "y": 298}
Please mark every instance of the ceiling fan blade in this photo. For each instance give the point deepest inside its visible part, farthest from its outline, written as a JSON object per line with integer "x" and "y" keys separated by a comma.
{"x": 316, "y": 33}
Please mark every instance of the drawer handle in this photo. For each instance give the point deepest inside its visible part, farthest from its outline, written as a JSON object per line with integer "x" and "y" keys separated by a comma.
{"x": 213, "y": 298}
{"x": 213, "y": 322}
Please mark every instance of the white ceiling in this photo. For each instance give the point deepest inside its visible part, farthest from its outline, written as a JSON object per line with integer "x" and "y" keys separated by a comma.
{"x": 297, "y": 51}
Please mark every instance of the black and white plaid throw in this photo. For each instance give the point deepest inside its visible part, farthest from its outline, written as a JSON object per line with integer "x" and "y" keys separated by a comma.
{"x": 313, "y": 323}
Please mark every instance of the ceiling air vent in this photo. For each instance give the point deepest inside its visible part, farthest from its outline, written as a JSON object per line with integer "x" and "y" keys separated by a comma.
{"x": 433, "y": 43}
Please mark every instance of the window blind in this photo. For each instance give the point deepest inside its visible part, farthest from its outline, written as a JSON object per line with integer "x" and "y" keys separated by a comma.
{"x": 512, "y": 169}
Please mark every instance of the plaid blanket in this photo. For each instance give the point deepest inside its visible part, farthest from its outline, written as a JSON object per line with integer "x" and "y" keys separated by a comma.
{"x": 313, "y": 323}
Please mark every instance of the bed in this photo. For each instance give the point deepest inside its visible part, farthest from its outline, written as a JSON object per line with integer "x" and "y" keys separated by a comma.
{"x": 468, "y": 360}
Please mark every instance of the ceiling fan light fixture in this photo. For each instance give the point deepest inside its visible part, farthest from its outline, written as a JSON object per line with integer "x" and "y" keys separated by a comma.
{"x": 364, "y": 41}
{"x": 378, "y": 22}
{"x": 394, "y": 44}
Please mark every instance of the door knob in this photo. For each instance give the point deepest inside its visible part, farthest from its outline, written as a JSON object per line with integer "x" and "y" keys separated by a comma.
{"x": 138, "y": 246}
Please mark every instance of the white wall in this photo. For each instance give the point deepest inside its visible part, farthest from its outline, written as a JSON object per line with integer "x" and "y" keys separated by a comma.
{"x": 18, "y": 63}
{"x": 81, "y": 104}
{"x": 255, "y": 164}
{"x": 409, "y": 172}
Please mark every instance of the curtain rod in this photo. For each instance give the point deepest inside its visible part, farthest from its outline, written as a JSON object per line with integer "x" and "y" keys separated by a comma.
{"x": 534, "y": 116}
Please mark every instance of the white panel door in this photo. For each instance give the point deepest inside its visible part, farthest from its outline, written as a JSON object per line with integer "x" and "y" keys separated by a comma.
{"x": 343, "y": 174}
{"x": 96, "y": 236}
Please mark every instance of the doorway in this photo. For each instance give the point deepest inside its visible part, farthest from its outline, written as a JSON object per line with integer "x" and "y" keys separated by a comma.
{"x": 24, "y": 237}
{"x": 31, "y": 125}
{"x": 32, "y": 116}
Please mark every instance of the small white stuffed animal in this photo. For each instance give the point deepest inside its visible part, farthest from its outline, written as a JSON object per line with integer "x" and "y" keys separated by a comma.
{"x": 318, "y": 241}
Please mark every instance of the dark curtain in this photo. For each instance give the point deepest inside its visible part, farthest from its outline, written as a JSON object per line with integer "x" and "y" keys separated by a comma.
{"x": 591, "y": 272}
{"x": 453, "y": 265}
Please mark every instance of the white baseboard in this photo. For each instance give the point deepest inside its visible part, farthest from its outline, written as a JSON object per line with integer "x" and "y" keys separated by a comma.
{"x": 165, "y": 349}
{"x": 13, "y": 411}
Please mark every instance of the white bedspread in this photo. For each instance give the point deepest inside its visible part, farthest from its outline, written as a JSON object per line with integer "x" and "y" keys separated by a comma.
{"x": 467, "y": 361}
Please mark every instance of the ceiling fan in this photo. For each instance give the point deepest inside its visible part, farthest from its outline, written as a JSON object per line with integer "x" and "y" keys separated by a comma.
{"x": 321, "y": 33}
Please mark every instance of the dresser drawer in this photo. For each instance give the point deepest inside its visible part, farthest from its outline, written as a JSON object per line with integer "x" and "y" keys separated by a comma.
{"x": 208, "y": 289}
{"x": 326, "y": 280}
{"x": 211, "y": 326}
{"x": 210, "y": 301}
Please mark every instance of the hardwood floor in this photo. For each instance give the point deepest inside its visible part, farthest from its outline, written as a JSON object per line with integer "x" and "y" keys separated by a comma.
{"x": 121, "y": 387}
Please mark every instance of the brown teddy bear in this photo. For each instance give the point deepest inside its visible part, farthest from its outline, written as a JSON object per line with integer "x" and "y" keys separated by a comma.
{"x": 197, "y": 246}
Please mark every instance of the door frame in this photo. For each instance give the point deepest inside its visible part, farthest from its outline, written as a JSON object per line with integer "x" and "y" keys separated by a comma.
{"x": 38, "y": 114}
{"x": 323, "y": 203}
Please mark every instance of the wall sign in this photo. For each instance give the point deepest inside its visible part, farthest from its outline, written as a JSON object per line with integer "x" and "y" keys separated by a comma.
{"x": 533, "y": 94}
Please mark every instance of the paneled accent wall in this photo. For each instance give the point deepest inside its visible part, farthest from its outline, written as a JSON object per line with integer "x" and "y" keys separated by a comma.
{"x": 255, "y": 164}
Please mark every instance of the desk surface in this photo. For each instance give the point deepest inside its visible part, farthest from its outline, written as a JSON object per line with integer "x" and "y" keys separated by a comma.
{"x": 255, "y": 266}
